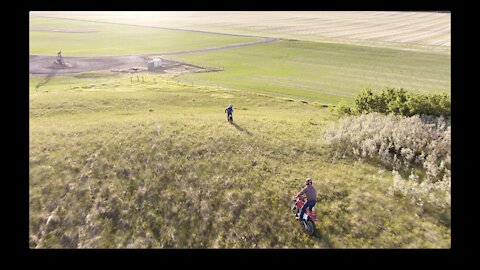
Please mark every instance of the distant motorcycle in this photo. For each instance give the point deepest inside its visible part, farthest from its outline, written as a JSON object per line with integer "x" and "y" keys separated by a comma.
{"x": 309, "y": 217}
{"x": 230, "y": 118}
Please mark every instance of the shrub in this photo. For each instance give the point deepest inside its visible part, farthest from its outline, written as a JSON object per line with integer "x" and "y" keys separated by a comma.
{"x": 365, "y": 102}
{"x": 401, "y": 102}
{"x": 436, "y": 193}
{"x": 417, "y": 145}
{"x": 344, "y": 109}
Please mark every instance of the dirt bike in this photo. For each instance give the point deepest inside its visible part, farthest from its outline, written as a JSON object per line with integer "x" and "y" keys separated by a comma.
{"x": 230, "y": 118}
{"x": 309, "y": 217}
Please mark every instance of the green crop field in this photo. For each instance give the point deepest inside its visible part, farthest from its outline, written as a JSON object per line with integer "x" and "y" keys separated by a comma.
{"x": 102, "y": 39}
{"x": 148, "y": 160}
{"x": 424, "y": 31}
{"x": 323, "y": 72}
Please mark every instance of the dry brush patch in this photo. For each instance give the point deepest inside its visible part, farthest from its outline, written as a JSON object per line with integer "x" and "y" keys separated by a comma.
{"x": 417, "y": 147}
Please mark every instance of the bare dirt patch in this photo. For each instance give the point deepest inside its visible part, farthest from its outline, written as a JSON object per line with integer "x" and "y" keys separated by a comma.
{"x": 128, "y": 64}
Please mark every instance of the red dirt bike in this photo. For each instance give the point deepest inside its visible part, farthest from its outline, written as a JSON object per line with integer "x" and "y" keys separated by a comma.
{"x": 309, "y": 217}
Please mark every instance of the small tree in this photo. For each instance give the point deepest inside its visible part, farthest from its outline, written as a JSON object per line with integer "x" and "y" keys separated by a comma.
{"x": 365, "y": 100}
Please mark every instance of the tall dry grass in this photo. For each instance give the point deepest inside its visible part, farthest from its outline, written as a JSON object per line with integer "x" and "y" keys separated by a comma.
{"x": 416, "y": 149}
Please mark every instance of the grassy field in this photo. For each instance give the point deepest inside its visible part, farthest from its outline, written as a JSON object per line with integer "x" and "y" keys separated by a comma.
{"x": 155, "y": 164}
{"x": 424, "y": 31}
{"x": 80, "y": 38}
{"x": 321, "y": 72}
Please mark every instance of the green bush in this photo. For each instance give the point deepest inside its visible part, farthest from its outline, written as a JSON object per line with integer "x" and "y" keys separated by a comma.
{"x": 344, "y": 109}
{"x": 400, "y": 102}
{"x": 364, "y": 103}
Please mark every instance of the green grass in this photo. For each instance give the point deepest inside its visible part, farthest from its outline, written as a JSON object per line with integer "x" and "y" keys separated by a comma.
{"x": 327, "y": 73}
{"x": 117, "y": 164}
{"x": 113, "y": 39}
{"x": 421, "y": 30}
{"x": 322, "y": 72}
{"x": 155, "y": 164}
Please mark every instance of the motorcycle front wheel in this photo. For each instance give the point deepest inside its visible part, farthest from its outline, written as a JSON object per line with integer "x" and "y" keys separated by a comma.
{"x": 293, "y": 206}
{"x": 309, "y": 227}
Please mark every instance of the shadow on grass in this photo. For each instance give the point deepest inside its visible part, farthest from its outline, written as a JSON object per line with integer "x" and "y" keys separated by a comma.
{"x": 323, "y": 238}
{"x": 47, "y": 79}
{"x": 318, "y": 235}
{"x": 241, "y": 129}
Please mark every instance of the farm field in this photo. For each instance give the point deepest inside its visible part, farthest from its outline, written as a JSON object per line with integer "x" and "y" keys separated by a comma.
{"x": 328, "y": 73}
{"x": 80, "y": 38}
{"x": 146, "y": 159}
{"x": 324, "y": 72}
{"x": 425, "y": 31}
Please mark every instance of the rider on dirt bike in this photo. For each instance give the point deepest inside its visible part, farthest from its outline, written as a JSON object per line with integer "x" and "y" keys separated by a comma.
{"x": 229, "y": 111}
{"x": 311, "y": 194}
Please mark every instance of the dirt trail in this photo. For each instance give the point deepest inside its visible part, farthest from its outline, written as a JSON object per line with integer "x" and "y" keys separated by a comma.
{"x": 44, "y": 64}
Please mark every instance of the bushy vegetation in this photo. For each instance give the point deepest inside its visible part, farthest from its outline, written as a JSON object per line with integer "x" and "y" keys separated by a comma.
{"x": 400, "y": 102}
{"x": 417, "y": 147}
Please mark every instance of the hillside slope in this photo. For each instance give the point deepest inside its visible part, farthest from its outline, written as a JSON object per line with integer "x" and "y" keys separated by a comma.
{"x": 155, "y": 164}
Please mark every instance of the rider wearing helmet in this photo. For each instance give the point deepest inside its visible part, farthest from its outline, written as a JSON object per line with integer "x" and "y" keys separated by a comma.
{"x": 311, "y": 194}
{"x": 229, "y": 111}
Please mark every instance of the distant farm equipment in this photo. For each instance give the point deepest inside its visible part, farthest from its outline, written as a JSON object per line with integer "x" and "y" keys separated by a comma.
{"x": 59, "y": 62}
{"x": 155, "y": 64}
